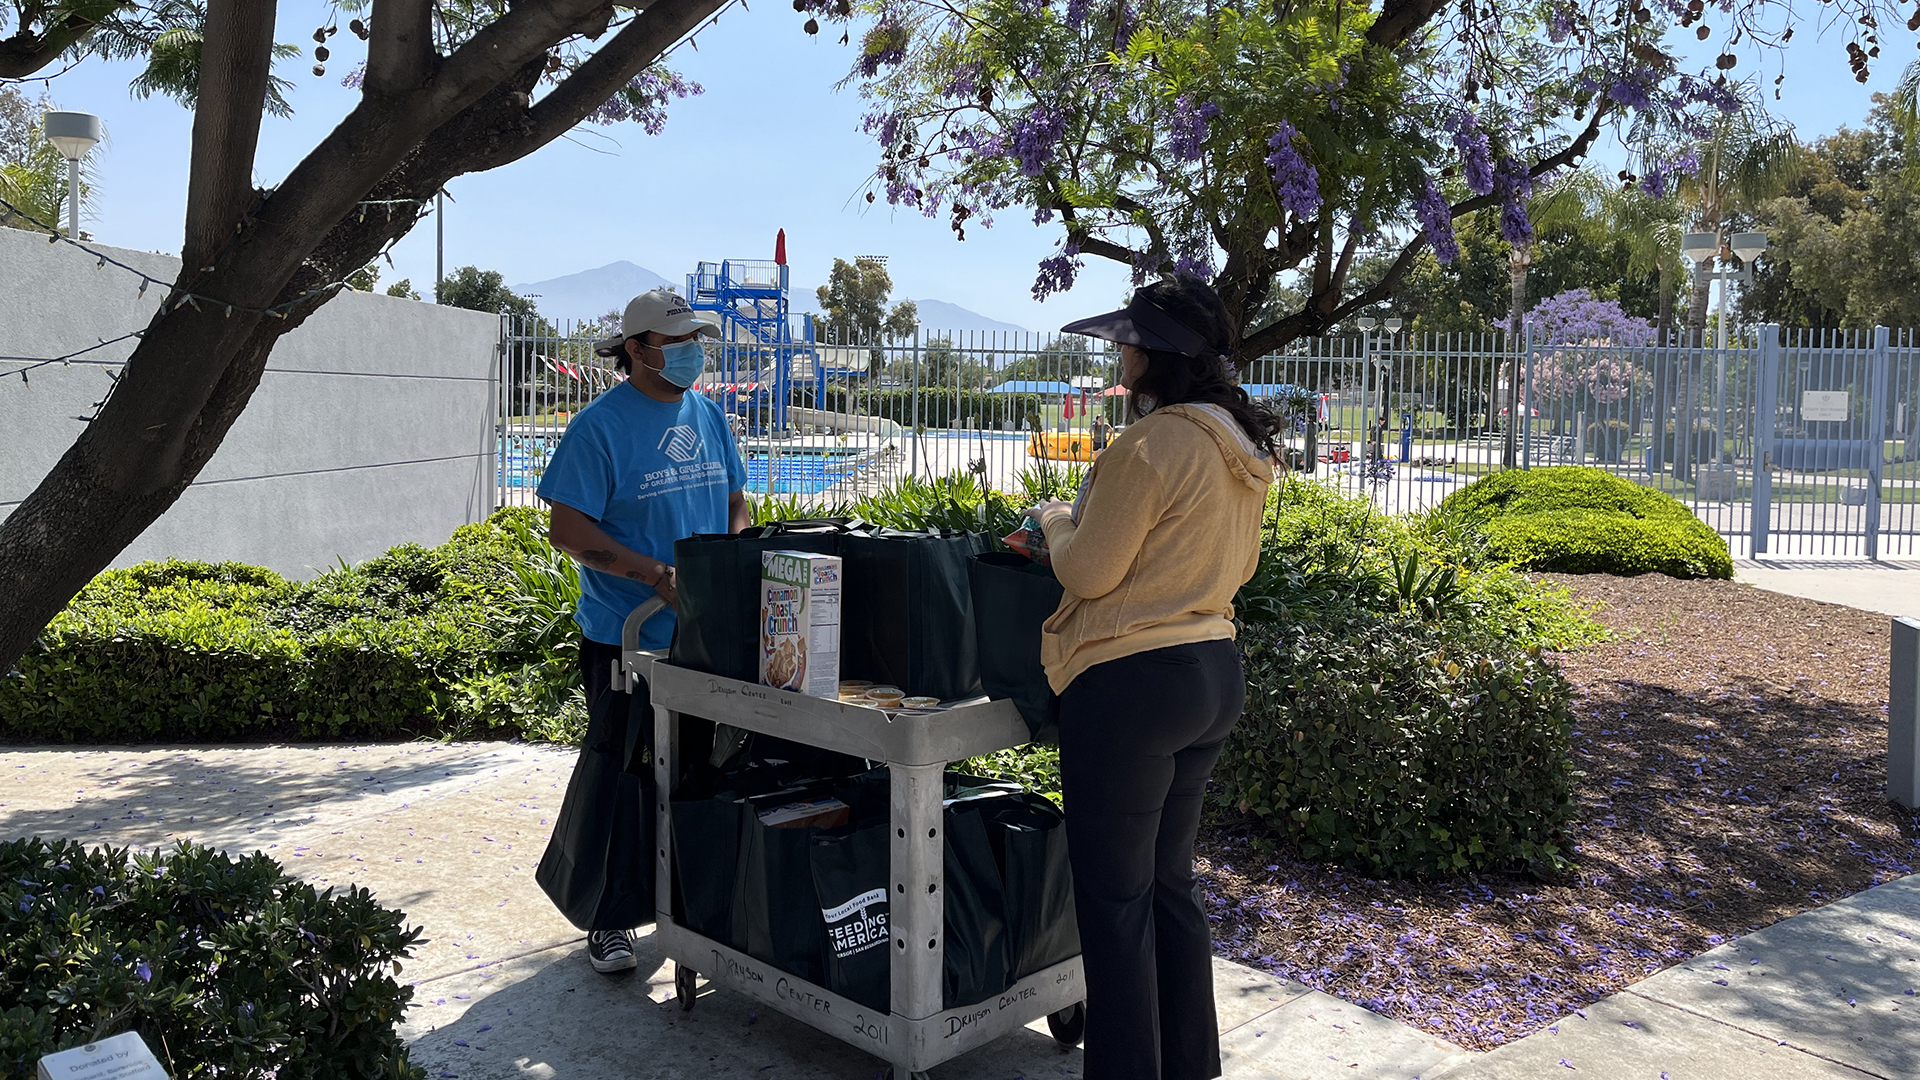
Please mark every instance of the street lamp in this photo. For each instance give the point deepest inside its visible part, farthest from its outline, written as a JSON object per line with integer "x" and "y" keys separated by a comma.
{"x": 73, "y": 134}
{"x": 1702, "y": 249}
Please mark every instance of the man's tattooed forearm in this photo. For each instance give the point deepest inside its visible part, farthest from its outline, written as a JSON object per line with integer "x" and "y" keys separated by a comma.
{"x": 598, "y": 558}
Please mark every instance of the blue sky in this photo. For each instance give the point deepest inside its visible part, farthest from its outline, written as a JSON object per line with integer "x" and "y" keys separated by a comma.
{"x": 770, "y": 145}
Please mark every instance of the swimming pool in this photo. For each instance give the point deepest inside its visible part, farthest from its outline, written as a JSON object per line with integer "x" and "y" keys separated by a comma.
{"x": 523, "y": 462}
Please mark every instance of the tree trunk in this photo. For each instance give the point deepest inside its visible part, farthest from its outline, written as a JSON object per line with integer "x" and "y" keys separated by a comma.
{"x": 1517, "y": 267}
{"x": 200, "y": 360}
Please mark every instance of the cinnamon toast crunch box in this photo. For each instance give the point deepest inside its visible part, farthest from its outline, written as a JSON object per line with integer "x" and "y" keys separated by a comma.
{"x": 800, "y": 622}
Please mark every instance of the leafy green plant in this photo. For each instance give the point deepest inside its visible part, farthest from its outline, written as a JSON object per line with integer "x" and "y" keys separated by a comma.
{"x": 1387, "y": 742}
{"x": 225, "y": 965}
{"x": 1035, "y": 767}
{"x": 470, "y": 636}
{"x": 1586, "y": 521}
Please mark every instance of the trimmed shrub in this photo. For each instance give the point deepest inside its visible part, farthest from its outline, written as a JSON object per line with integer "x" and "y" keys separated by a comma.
{"x": 1586, "y": 521}
{"x": 225, "y": 966}
{"x": 417, "y": 641}
{"x": 1390, "y": 744}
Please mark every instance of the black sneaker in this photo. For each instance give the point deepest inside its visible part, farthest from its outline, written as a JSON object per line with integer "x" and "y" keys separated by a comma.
{"x": 610, "y": 951}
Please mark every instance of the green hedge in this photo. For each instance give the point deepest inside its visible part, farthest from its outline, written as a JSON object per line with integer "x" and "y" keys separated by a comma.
{"x": 225, "y": 966}
{"x": 1586, "y": 521}
{"x": 417, "y": 641}
{"x": 1390, "y": 743}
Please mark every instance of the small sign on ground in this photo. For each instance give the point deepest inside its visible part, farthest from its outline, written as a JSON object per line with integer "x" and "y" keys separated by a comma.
{"x": 123, "y": 1057}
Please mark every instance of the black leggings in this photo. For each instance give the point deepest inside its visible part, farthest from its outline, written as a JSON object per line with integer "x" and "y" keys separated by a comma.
{"x": 1139, "y": 737}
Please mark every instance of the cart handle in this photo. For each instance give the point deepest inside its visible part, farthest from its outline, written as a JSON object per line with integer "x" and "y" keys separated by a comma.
{"x": 626, "y": 670}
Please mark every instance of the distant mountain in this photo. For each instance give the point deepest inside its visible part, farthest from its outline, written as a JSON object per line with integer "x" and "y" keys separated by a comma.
{"x": 937, "y": 315}
{"x": 590, "y": 294}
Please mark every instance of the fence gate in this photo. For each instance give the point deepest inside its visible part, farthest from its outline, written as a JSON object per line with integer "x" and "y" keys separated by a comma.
{"x": 1834, "y": 474}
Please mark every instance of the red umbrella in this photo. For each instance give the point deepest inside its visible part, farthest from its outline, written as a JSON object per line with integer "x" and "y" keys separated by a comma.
{"x": 780, "y": 248}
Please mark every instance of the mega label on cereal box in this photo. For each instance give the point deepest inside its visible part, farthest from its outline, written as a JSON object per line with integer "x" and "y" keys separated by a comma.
{"x": 800, "y": 622}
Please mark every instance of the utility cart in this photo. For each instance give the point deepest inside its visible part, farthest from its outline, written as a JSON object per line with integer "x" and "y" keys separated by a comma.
{"x": 917, "y": 1032}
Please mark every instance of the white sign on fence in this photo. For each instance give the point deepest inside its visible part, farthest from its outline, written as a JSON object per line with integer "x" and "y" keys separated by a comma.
{"x": 1824, "y": 405}
{"x": 123, "y": 1057}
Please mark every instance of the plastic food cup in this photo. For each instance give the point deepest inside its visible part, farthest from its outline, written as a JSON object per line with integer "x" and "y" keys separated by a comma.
{"x": 886, "y": 696}
{"x": 920, "y": 703}
{"x": 854, "y": 686}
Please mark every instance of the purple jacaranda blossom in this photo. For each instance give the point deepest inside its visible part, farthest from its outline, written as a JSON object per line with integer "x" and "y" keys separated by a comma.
{"x": 1193, "y": 255}
{"x": 1146, "y": 264}
{"x": 644, "y": 100}
{"x": 1187, "y": 127}
{"x": 1057, "y": 274}
{"x": 1123, "y": 26}
{"x": 1077, "y": 13}
{"x": 1515, "y": 184}
{"x": 1035, "y": 137}
{"x": 964, "y": 82}
{"x": 1560, "y": 25}
{"x": 883, "y": 46}
{"x": 1297, "y": 180}
{"x": 1634, "y": 91}
{"x": 1476, "y": 155}
{"x": 1436, "y": 221}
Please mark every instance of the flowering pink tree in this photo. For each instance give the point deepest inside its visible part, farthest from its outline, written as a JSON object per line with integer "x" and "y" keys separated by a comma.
{"x": 1589, "y": 369}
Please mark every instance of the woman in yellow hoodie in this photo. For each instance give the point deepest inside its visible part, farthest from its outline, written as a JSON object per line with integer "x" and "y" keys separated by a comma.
{"x": 1165, "y": 530}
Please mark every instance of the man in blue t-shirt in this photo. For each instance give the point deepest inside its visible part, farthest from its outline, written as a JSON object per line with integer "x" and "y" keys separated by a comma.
{"x": 645, "y": 464}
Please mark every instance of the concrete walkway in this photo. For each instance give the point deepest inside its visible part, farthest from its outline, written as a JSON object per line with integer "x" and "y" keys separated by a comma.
{"x": 1890, "y": 588}
{"x": 451, "y": 833}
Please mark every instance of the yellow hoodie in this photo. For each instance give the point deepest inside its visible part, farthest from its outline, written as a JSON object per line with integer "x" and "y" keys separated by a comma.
{"x": 1169, "y": 530}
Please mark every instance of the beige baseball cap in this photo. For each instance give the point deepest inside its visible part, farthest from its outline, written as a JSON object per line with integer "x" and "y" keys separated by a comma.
{"x": 662, "y": 311}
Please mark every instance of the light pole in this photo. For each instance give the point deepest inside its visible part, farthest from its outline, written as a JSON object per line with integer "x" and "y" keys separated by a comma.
{"x": 1702, "y": 248}
{"x": 73, "y": 134}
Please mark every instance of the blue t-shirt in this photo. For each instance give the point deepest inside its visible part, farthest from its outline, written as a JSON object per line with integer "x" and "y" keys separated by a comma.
{"x": 649, "y": 472}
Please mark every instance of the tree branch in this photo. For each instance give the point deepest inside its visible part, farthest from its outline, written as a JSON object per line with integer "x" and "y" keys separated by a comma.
{"x": 26, "y": 51}
{"x": 612, "y": 66}
{"x": 235, "y": 63}
{"x": 400, "y": 51}
{"x": 1311, "y": 320}
{"x": 1400, "y": 19}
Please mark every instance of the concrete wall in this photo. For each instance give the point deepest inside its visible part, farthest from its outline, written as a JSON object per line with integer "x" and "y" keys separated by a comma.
{"x": 372, "y": 425}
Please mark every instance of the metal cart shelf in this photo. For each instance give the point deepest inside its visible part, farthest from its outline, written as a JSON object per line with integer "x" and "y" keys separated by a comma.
{"x": 917, "y": 1032}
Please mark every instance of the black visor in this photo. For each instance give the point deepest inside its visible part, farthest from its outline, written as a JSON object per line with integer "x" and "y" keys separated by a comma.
{"x": 1142, "y": 323}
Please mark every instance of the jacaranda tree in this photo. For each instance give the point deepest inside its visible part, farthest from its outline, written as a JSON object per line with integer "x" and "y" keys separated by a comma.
{"x": 1246, "y": 141}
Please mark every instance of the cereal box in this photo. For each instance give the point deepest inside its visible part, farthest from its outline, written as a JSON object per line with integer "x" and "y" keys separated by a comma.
{"x": 800, "y": 622}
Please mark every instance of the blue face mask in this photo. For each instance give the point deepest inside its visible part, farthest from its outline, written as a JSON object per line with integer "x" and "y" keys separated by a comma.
{"x": 684, "y": 361}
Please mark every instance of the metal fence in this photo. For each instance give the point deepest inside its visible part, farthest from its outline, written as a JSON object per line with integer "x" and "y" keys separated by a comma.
{"x": 1794, "y": 443}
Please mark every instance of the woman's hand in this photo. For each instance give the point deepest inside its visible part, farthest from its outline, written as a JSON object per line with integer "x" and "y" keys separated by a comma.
{"x": 1035, "y": 511}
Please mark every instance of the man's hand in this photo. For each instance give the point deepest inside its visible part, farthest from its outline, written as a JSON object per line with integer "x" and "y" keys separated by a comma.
{"x": 669, "y": 589}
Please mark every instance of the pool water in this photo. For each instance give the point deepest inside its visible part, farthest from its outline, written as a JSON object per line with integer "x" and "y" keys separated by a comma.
{"x": 521, "y": 466}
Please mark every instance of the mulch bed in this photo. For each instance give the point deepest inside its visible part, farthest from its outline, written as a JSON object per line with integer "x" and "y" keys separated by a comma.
{"x": 1734, "y": 749}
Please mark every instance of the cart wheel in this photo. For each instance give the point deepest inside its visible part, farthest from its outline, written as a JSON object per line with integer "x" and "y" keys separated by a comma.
{"x": 1069, "y": 1024}
{"x": 683, "y": 986}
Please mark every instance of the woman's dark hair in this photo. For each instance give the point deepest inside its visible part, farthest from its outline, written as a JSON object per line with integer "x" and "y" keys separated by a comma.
{"x": 1174, "y": 378}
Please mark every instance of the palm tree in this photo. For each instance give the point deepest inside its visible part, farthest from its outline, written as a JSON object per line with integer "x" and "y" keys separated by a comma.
{"x": 1650, "y": 227}
{"x": 1745, "y": 159}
